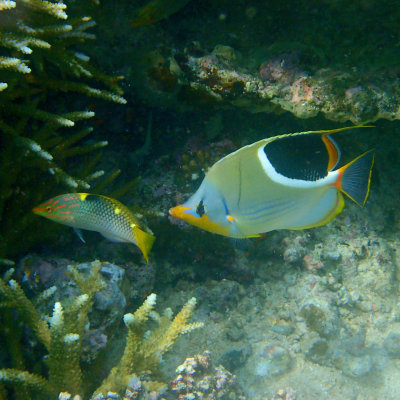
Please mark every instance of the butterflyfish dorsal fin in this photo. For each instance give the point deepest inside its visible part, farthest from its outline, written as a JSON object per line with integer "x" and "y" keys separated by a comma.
{"x": 303, "y": 157}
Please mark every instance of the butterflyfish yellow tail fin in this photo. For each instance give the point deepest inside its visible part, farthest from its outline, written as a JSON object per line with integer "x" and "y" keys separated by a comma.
{"x": 144, "y": 242}
{"x": 355, "y": 177}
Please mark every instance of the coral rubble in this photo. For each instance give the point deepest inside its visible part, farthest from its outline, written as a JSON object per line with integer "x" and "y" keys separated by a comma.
{"x": 198, "y": 379}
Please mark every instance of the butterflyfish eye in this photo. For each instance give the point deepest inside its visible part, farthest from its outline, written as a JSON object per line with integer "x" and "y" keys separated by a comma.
{"x": 200, "y": 210}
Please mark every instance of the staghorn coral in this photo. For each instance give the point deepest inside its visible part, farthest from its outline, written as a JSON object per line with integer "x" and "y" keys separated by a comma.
{"x": 143, "y": 351}
{"x": 61, "y": 336}
{"x": 39, "y": 66}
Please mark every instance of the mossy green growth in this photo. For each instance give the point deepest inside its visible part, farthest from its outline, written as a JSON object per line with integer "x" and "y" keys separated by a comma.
{"x": 40, "y": 68}
{"x": 61, "y": 335}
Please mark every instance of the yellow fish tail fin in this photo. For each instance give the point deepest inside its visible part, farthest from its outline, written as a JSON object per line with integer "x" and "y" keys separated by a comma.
{"x": 355, "y": 177}
{"x": 144, "y": 242}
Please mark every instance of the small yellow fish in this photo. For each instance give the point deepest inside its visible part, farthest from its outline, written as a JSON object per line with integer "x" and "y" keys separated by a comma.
{"x": 284, "y": 182}
{"x": 157, "y": 10}
{"x": 97, "y": 213}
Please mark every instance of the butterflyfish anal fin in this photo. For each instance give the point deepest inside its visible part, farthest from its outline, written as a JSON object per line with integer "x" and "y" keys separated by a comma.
{"x": 355, "y": 177}
{"x": 335, "y": 210}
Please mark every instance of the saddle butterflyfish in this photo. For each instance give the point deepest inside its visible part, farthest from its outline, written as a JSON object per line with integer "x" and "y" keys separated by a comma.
{"x": 97, "y": 213}
{"x": 283, "y": 182}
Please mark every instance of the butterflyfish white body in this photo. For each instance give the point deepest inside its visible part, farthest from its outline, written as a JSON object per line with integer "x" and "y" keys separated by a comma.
{"x": 284, "y": 182}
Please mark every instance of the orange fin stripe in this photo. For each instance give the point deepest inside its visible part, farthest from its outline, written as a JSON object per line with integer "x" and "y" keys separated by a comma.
{"x": 338, "y": 182}
{"x": 61, "y": 217}
{"x": 47, "y": 202}
{"x": 332, "y": 152}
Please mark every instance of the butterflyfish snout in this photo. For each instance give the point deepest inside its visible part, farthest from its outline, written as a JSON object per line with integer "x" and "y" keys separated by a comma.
{"x": 284, "y": 182}
{"x": 194, "y": 216}
{"x": 97, "y": 213}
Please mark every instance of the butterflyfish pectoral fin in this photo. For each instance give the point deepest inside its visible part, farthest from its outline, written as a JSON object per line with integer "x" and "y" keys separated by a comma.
{"x": 355, "y": 177}
{"x": 79, "y": 234}
{"x": 144, "y": 242}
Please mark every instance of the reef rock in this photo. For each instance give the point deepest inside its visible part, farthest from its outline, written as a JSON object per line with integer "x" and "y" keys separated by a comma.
{"x": 281, "y": 83}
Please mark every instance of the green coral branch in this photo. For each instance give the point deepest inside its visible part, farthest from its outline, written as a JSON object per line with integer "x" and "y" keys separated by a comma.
{"x": 54, "y": 9}
{"x": 61, "y": 335}
{"x": 123, "y": 189}
{"x": 106, "y": 182}
{"x": 64, "y": 353}
{"x": 40, "y": 58}
{"x": 43, "y": 31}
{"x": 162, "y": 340}
{"x": 26, "y": 379}
{"x": 47, "y": 160}
{"x": 40, "y": 115}
{"x": 14, "y": 64}
{"x": 13, "y": 41}
{"x": 65, "y": 328}
{"x": 77, "y": 313}
{"x": 79, "y": 87}
{"x": 59, "y": 144}
{"x": 15, "y": 298}
{"x": 80, "y": 150}
{"x": 144, "y": 353}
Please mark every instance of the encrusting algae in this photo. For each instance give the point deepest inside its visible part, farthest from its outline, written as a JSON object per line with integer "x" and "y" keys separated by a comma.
{"x": 61, "y": 335}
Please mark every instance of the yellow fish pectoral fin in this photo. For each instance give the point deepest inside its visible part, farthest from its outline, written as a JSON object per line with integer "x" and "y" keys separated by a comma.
{"x": 144, "y": 242}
